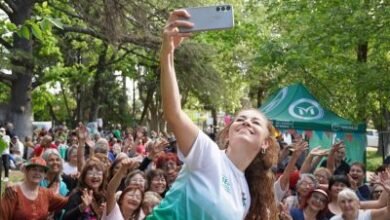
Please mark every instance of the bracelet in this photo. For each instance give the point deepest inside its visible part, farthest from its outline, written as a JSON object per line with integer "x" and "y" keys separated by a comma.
{"x": 81, "y": 209}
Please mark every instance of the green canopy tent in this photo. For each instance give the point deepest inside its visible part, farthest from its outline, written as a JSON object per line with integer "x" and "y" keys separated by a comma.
{"x": 294, "y": 108}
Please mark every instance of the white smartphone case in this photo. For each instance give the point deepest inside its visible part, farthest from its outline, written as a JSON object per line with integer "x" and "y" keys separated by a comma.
{"x": 210, "y": 18}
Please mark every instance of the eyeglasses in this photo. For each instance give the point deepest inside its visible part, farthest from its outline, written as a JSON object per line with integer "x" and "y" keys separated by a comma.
{"x": 158, "y": 180}
{"x": 137, "y": 181}
{"x": 320, "y": 176}
{"x": 319, "y": 198}
{"x": 94, "y": 173}
{"x": 307, "y": 184}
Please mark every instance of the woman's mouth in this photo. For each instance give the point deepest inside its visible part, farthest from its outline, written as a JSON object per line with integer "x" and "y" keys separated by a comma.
{"x": 245, "y": 129}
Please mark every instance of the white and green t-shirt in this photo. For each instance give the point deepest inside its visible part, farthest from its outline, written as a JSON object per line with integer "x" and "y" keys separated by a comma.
{"x": 209, "y": 186}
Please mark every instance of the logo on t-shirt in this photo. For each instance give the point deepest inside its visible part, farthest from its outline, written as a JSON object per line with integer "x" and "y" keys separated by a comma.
{"x": 226, "y": 184}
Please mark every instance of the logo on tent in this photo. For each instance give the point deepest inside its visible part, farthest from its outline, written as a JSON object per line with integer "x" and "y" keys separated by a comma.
{"x": 306, "y": 109}
{"x": 275, "y": 101}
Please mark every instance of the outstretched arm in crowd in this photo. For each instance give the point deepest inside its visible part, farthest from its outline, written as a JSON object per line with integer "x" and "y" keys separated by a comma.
{"x": 154, "y": 150}
{"x": 184, "y": 129}
{"x": 382, "y": 201}
{"x": 331, "y": 163}
{"x": 127, "y": 164}
{"x": 298, "y": 149}
{"x": 383, "y": 213}
{"x": 82, "y": 135}
{"x": 308, "y": 164}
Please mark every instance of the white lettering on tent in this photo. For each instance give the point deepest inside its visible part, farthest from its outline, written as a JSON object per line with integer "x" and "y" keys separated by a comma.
{"x": 306, "y": 109}
{"x": 275, "y": 101}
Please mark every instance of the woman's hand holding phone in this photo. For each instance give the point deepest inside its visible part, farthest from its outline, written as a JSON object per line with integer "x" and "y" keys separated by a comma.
{"x": 171, "y": 35}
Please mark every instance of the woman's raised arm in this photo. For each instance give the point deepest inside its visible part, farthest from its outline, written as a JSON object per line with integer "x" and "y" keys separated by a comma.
{"x": 184, "y": 129}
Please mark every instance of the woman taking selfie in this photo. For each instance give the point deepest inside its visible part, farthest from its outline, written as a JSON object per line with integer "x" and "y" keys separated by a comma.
{"x": 30, "y": 201}
{"x": 235, "y": 183}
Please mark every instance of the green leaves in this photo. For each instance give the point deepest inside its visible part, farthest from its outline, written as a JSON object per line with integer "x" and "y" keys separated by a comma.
{"x": 36, "y": 31}
{"x": 56, "y": 22}
{"x": 25, "y": 32}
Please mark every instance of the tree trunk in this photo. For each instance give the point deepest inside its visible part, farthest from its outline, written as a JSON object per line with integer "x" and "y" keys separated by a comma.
{"x": 96, "y": 91}
{"x": 384, "y": 132}
{"x": 123, "y": 104}
{"x": 20, "y": 107}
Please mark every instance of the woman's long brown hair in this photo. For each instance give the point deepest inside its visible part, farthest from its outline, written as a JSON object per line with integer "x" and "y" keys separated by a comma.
{"x": 260, "y": 177}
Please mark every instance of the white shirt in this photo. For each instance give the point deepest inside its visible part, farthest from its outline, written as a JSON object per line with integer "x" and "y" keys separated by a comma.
{"x": 209, "y": 186}
{"x": 363, "y": 215}
{"x": 68, "y": 169}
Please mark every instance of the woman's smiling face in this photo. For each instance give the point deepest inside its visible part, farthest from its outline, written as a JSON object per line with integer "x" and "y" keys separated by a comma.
{"x": 249, "y": 128}
{"x": 94, "y": 178}
{"x": 35, "y": 174}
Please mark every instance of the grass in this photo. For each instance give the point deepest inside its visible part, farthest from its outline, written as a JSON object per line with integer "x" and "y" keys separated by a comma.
{"x": 14, "y": 177}
{"x": 374, "y": 160}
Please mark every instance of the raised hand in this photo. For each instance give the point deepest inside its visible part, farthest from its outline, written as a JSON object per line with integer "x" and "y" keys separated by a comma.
{"x": 82, "y": 132}
{"x": 384, "y": 180}
{"x": 374, "y": 179}
{"x": 299, "y": 147}
{"x": 284, "y": 213}
{"x": 337, "y": 146}
{"x": 86, "y": 199}
{"x": 317, "y": 151}
{"x": 171, "y": 35}
{"x": 354, "y": 183}
{"x": 157, "y": 147}
{"x": 129, "y": 164}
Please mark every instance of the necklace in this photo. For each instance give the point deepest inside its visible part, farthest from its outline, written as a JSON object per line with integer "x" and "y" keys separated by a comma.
{"x": 238, "y": 181}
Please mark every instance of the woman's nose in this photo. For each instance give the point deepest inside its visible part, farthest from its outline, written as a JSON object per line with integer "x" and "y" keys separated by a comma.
{"x": 246, "y": 122}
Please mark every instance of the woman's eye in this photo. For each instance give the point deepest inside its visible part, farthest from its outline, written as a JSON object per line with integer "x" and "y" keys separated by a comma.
{"x": 239, "y": 119}
{"x": 256, "y": 122}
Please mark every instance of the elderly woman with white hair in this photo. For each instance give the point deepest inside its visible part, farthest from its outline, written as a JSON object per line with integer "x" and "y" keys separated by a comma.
{"x": 306, "y": 184}
{"x": 350, "y": 207}
{"x": 53, "y": 180}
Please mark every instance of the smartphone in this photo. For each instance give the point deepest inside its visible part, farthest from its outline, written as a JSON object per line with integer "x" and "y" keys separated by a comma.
{"x": 210, "y": 18}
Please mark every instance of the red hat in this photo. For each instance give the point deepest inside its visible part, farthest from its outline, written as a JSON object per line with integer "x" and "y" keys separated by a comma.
{"x": 36, "y": 161}
{"x": 294, "y": 177}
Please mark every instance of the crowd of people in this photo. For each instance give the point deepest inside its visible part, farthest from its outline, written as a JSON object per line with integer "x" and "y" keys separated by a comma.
{"x": 72, "y": 174}
{"x": 248, "y": 173}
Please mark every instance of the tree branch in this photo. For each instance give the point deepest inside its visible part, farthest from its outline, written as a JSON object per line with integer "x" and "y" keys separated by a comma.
{"x": 140, "y": 55}
{"x": 7, "y": 78}
{"x": 5, "y": 44}
{"x": 151, "y": 42}
{"x": 70, "y": 14}
{"x": 11, "y": 4}
{"x": 6, "y": 9}
{"x": 84, "y": 31}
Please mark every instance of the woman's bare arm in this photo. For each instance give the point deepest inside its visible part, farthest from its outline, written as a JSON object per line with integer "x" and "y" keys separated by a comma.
{"x": 184, "y": 129}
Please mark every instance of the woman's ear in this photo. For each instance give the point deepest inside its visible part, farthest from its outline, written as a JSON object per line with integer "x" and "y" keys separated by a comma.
{"x": 265, "y": 144}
